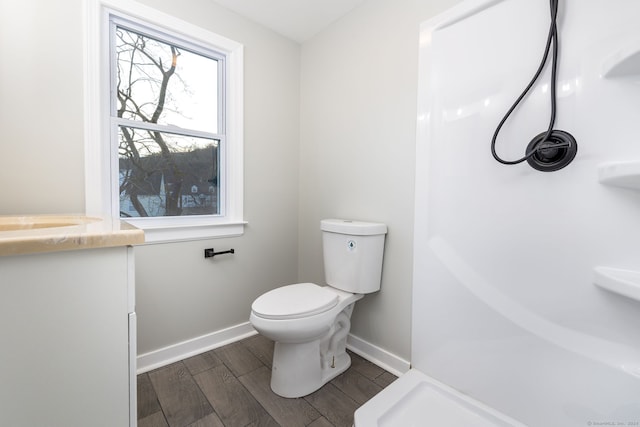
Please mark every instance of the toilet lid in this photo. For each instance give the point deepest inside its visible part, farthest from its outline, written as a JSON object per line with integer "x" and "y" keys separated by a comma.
{"x": 294, "y": 301}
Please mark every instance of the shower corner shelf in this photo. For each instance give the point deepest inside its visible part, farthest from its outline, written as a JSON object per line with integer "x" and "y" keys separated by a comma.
{"x": 620, "y": 174}
{"x": 624, "y": 62}
{"x": 619, "y": 281}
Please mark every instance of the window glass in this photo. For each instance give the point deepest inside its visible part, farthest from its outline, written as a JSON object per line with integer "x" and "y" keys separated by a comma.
{"x": 162, "y": 83}
{"x": 163, "y": 174}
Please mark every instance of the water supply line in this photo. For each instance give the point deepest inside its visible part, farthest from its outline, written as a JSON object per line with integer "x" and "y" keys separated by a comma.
{"x": 553, "y": 149}
{"x": 343, "y": 324}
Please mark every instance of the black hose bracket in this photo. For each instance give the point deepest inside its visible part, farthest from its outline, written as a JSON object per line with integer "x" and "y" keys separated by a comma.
{"x": 553, "y": 153}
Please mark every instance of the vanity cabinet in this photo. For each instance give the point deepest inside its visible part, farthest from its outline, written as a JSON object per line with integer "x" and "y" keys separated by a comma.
{"x": 67, "y": 338}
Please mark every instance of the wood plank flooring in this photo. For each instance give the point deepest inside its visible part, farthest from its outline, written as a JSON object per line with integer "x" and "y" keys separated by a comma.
{"x": 229, "y": 387}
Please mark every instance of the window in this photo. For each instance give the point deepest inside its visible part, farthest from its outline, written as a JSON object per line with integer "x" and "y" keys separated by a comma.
{"x": 168, "y": 110}
{"x": 169, "y": 124}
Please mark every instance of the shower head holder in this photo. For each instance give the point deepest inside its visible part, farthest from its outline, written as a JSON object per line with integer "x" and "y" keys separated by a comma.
{"x": 553, "y": 153}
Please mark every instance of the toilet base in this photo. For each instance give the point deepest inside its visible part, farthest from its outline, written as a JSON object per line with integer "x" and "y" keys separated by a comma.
{"x": 302, "y": 368}
{"x": 298, "y": 368}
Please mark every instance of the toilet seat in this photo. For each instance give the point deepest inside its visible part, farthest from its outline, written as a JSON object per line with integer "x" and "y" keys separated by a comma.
{"x": 294, "y": 301}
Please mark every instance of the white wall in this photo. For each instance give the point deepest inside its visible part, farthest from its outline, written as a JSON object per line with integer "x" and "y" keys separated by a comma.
{"x": 180, "y": 294}
{"x": 41, "y": 149}
{"x": 358, "y": 110}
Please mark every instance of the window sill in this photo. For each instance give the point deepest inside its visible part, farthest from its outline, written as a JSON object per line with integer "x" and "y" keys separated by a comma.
{"x": 156, "y": 233}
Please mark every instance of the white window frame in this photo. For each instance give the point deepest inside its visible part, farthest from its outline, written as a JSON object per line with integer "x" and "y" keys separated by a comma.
{"x": 101, "y": 163}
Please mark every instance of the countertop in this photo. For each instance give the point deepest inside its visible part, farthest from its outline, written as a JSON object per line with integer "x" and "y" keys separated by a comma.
{"x": 51, "y": 233}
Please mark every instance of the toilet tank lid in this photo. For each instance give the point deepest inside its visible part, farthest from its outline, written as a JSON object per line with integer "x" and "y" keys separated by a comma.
{"x": 355, "y": 228}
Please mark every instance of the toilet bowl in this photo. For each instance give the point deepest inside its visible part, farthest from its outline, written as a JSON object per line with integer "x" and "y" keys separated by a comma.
{"x": 310, "y": 336}
{"x": 310, "y": 323}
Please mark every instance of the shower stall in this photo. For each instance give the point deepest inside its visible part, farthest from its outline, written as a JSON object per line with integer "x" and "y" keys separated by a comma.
{"x": 526, "y": 294}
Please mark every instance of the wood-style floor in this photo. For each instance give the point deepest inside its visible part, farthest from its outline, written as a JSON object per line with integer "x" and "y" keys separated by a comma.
{"x": 229, "y": 386}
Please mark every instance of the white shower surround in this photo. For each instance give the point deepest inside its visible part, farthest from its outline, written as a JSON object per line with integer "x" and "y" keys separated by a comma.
{"x": 505, "y": 309}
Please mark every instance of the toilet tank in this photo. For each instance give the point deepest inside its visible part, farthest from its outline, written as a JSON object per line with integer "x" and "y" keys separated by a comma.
{"x": 353, "y": 252}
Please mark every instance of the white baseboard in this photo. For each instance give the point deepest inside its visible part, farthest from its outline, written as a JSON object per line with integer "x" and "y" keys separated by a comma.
{"x": 173, "y": 353}
{"x": 378, "y": 356}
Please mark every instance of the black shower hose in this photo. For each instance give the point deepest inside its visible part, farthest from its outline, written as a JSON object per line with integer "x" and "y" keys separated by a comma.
{"x": 552, "y": 38}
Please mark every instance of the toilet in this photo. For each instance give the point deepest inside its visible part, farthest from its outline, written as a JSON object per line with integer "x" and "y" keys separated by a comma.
{"x": 310, "y": 323}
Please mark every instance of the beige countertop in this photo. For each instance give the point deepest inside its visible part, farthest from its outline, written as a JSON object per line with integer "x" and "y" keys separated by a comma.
{"x": 51, "y": 233}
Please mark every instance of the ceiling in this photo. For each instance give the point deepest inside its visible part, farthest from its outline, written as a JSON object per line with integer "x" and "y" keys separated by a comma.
{"x": 297, "y": 20}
